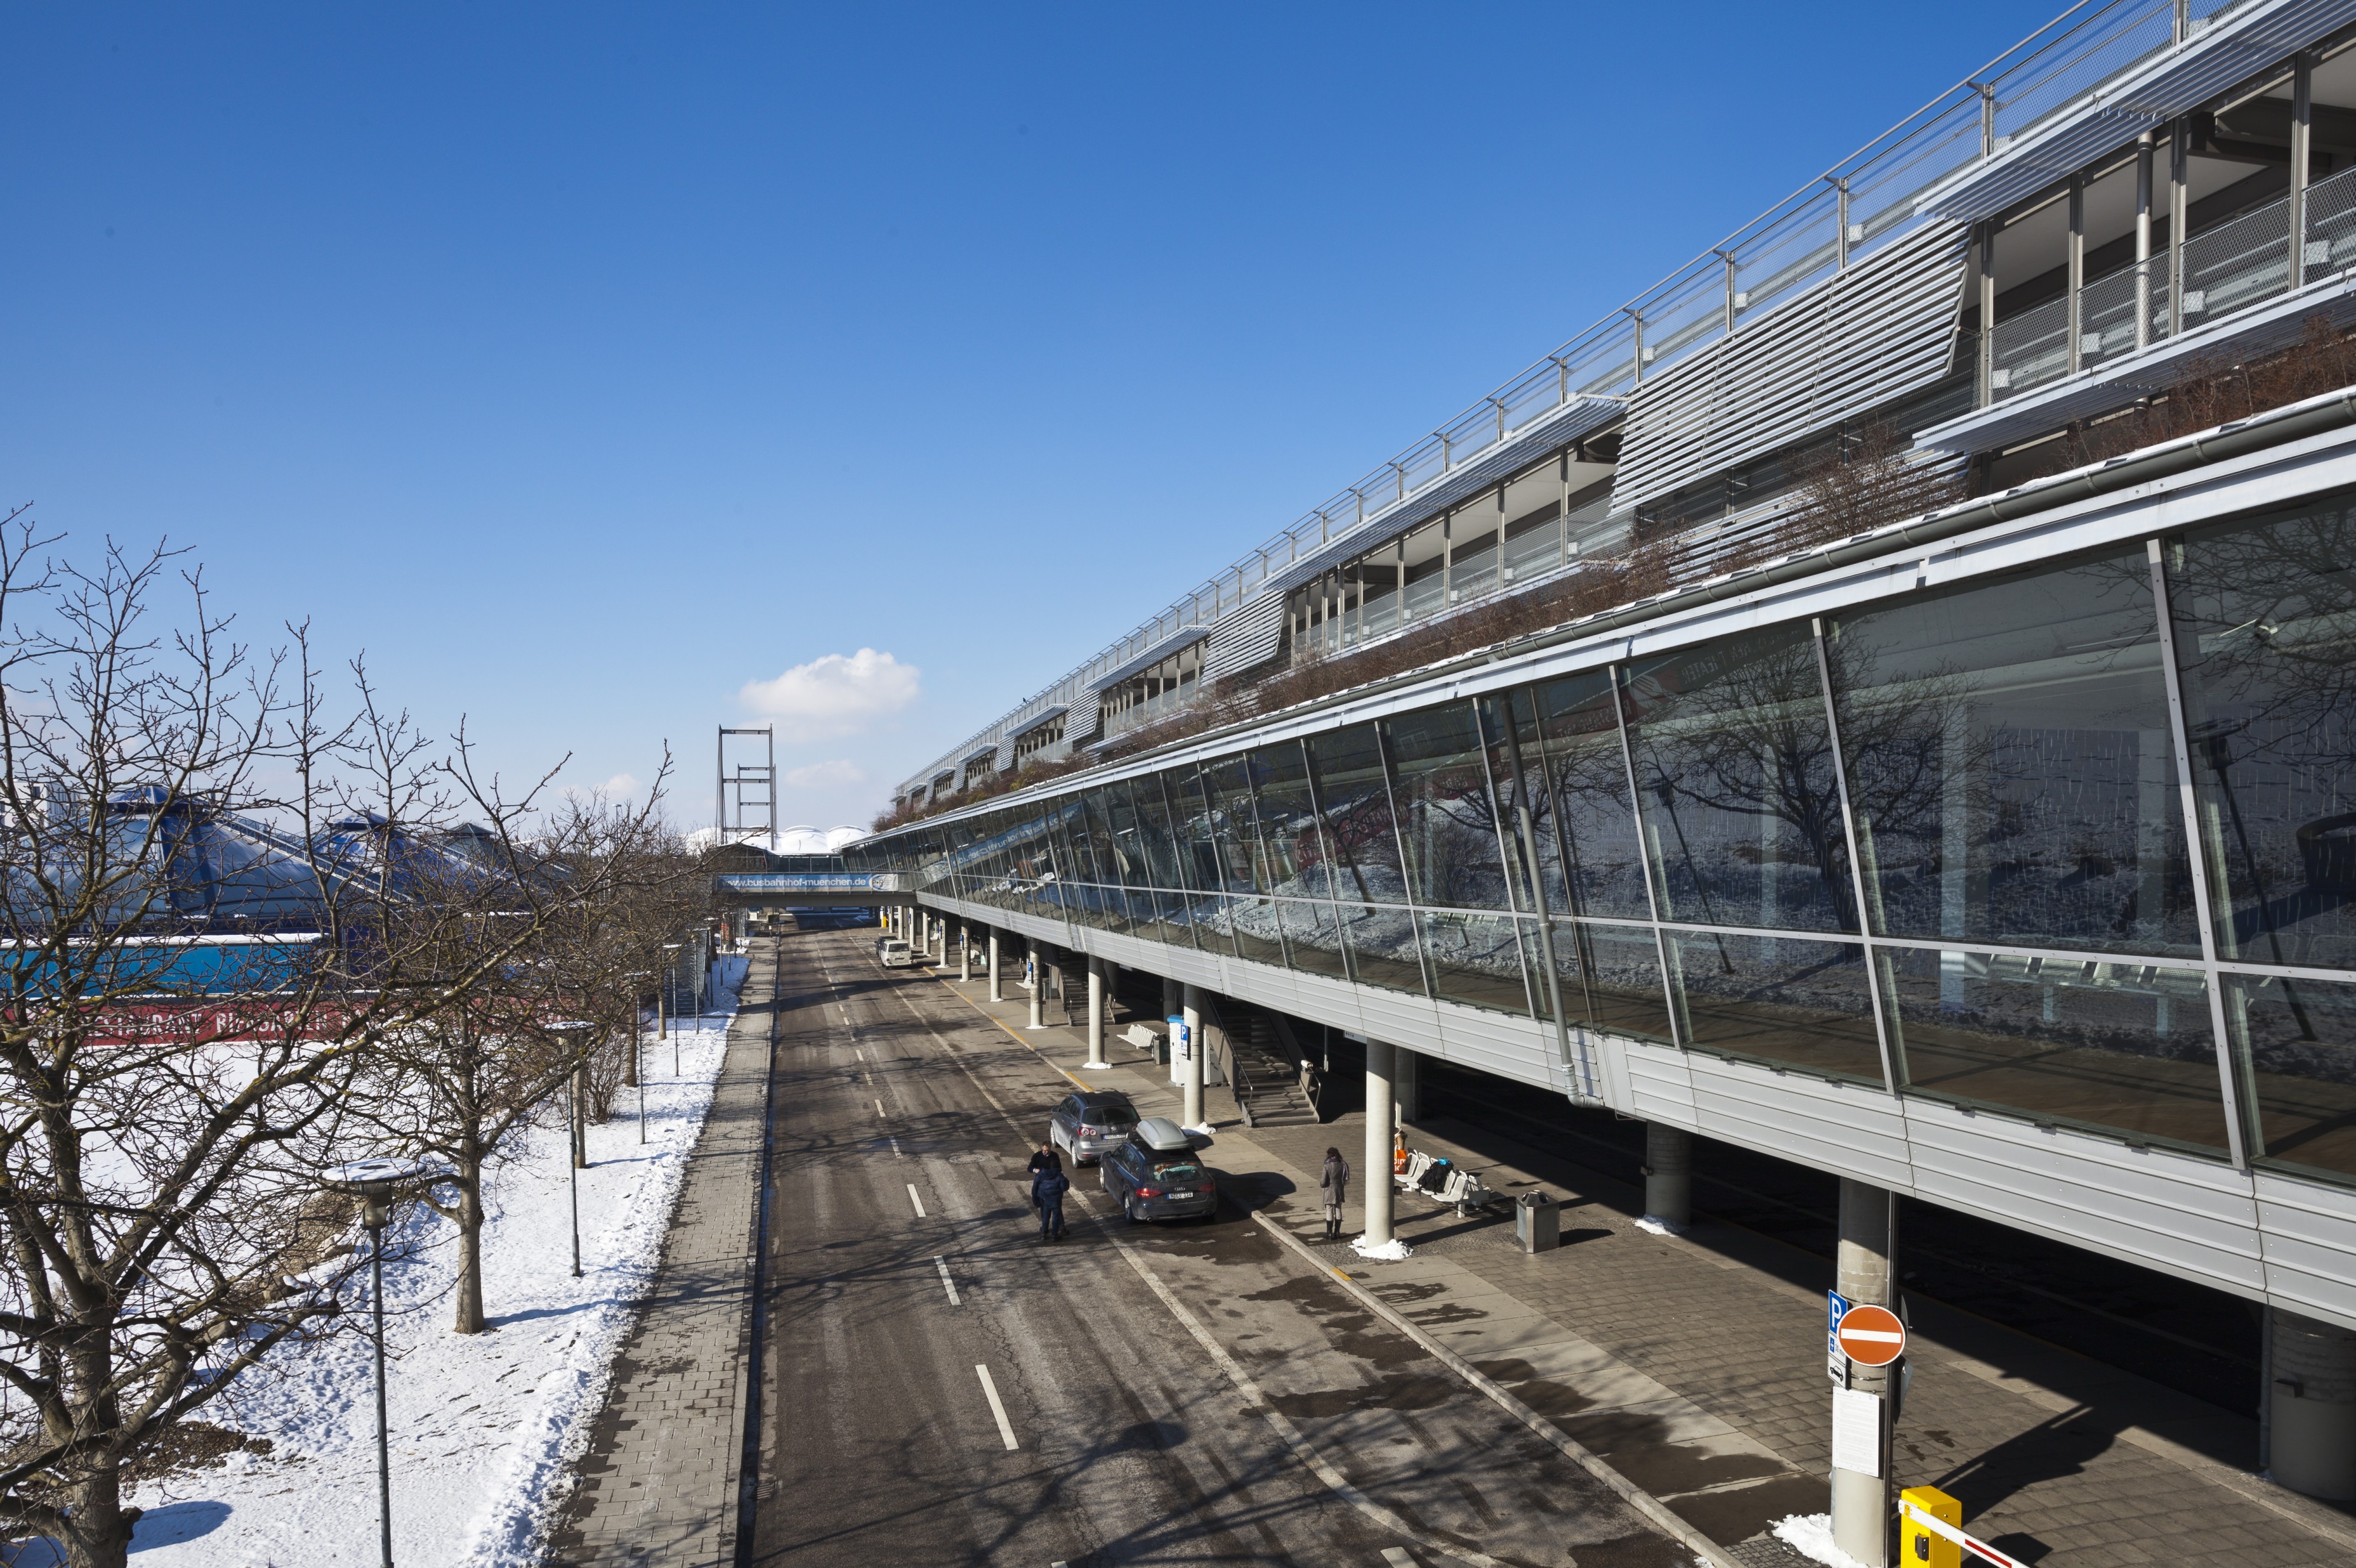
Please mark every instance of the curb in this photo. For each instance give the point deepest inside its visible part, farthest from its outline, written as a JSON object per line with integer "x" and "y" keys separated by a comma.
{"x": 1656, "y": 1512}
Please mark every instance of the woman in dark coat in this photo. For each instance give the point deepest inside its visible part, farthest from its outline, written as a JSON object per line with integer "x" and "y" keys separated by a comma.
{"x": 1336, "y": 1185}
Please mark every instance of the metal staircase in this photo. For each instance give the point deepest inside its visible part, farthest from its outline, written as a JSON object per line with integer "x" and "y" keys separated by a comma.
{"x": 1266, "y": 1068}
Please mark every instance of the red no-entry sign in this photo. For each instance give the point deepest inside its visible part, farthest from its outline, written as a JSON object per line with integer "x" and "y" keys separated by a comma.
{"x": 1871, "y": 1336}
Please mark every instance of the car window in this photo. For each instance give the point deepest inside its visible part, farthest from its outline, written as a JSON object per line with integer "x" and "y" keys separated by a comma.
{"x": 1176, "y": 1170}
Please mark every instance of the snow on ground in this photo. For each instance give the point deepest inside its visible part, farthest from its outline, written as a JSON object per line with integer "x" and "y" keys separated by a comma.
{"x": 484, "y": 1428}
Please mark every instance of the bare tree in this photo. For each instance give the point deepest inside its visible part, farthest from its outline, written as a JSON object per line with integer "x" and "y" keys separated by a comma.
{"x": 209, "y": 939}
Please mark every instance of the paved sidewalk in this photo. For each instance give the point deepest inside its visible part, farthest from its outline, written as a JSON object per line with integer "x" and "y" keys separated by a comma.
{"x": 1695, "y": 1366}
{"x": 659, "y": 1482}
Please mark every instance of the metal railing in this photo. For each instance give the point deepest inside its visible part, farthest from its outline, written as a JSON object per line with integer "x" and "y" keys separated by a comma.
{"x": 2241, "y": 263}
{"x": 1859, "y": 205}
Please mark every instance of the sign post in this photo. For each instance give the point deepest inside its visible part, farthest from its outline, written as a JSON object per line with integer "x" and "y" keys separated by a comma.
{"x": 1836, "y": 1364}
{"x": 1870, "y": 1336}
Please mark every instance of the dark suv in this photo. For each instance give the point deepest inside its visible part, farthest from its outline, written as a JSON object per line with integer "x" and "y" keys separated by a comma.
{"x": 1155, "y": 1174}
{"x": 1088, "y": 1124}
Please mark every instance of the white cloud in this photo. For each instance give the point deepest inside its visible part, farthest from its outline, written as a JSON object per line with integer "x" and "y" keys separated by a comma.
{"x": 834, "y": 695}
{"x": 620, "y": 786}
{"x": 831, "y": 774}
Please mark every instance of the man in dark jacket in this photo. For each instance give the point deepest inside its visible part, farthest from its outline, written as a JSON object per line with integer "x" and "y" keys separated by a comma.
{"x": 1046, "y": 1159}
{"x": 1047, "y": 1191}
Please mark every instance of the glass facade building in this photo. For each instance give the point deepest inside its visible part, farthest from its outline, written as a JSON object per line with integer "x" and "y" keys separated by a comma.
{"x": 2075, "y": 844}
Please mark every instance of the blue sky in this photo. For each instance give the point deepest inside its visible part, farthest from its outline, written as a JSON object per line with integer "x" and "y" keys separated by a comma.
{"x": 605, "y": 373}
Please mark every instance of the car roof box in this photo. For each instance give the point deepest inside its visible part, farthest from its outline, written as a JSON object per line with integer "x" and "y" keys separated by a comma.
{"x": 1161, "y": 1133}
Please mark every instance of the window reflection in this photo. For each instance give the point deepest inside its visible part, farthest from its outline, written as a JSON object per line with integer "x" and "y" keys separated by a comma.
{"x": 1603, "y": 863}
{"x": 1476, "y": 960}
{"x": 1610, "y": 977}
{"x": 1157, "y": 844}
{"x": 2265, "y": 633}
{"x": 1525, "y": 805}
{"x": 1382, "y": 946}
{"x": 1226, "y": 787}
{"x": 1441, "y": 791}
{"x": 1735, "y": 780}
{"x": 1288, "y": 822}
{"x": 1313, "y": 938}
{"x": 1781, "y": 999}
{"x": 2296, "y": 1039}
{"x": 2009, "y": 743}
{"x": 2121, "y": 1048}
{"x": 1258, "y": 936}
{"x": 1354, "y": 804}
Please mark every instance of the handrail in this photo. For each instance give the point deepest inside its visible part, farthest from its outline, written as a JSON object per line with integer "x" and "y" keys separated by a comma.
{"x": 1822, "y": 228}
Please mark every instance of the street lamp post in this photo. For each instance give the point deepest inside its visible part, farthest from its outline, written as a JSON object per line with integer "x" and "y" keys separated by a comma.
{"x": 668, "y": 970}
{"x": 579, "y": 1131}
{"x": 376, "y": 1183}
{"x": 639, "y": 1055}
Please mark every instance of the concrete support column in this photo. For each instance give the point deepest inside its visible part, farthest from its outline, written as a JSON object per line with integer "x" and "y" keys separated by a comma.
{"x": 2310, "y": 1402}
{"x": 1382, "y": 1065}
{"x": 1193, "y": 1010}
{"x": 965, "y": 951}
{"x": 1038, "y": 984}
{"x": 996, "y": 989}
{"x": 1095, "y": 1013}
{"x": 1407, "y": 1084}
{"x": 1862, "y": 1503}
{"x": 1668, "y": 1178}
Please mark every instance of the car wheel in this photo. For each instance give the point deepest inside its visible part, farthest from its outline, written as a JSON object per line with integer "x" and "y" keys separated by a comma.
{"x": 1134, "y": 1217}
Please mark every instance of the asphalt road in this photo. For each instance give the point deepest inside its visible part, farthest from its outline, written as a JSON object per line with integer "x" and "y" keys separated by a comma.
{"x": 902, "y": 1261}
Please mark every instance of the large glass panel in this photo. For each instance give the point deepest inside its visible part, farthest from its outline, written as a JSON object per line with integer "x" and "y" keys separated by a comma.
{"x": 1157, "y": 841}
{"x": 1610, "y": 978}
{"x": 1426, "y": 574}
{"x": 1313, "y": 938}
{"x": 1779, "y": 999}
{"x": 1382, "y": 947}
{"x": 1173, "y": 918}
{"x": 2015, "y": 777}
{"x": 1440, "y": 787}
{"x": 1735, "y": 777}
{"x": 1604, "y": 862}
{"x": 1525, "y": 805}
{"x": 1194, "y": 812}
{"x": 2120, "y": 1048}
{"x": 1534, "y": 543}
{"x": 1078, "y": 861}
{"x": 1258, "y": 934}
{"x": 1288, "y": 822}
{"x": 1226, "y": 787}
{"x": 1113, "y": 823}
{"x": 1144, "y": 919}
{"x": 2265, "y": 630}
{"x": 1472, "y": 564}
{"x": 2297, "y": 1043}
{"x": 1353, "y": 805}
{"x": 1476, "y": 960}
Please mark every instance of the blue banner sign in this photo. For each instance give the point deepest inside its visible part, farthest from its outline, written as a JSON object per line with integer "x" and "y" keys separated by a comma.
{"x": 824, "y": 882}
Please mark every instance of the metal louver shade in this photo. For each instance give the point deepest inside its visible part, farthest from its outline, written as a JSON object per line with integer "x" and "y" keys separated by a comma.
{"x": 1247, "y": 635}
{"x": 1883, "y": 329}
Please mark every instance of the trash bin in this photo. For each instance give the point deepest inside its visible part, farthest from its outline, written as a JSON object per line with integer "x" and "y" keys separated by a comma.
{"x": 1538, "y": 1222}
